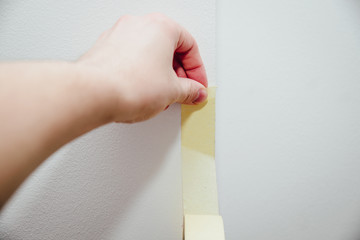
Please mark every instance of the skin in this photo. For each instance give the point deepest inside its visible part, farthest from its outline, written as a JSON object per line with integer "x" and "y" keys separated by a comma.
{"x": 134, "y": 71}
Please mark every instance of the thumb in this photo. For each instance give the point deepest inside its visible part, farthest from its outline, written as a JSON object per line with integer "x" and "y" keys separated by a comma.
{"x": 191, "y": 91}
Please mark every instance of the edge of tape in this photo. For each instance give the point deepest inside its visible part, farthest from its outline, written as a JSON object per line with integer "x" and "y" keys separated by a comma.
{"x": 200, "y": 199}
{"x": 203, "y": 227}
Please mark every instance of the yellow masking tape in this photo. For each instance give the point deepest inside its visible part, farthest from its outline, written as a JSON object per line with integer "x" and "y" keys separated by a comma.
{"x": 200, "y": 201}
{"x": 204, "y": 227}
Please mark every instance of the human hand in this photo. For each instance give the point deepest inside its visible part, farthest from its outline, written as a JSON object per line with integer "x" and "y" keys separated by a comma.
{"x": 146, "y": 63}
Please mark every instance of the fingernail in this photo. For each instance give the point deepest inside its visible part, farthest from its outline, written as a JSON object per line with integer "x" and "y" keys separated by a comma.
{"x": 202, "y": 95}
{"x": 166, "y": 107}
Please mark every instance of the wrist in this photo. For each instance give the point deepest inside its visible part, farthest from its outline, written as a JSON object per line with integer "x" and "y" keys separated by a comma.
{"x": 101, "y": 96}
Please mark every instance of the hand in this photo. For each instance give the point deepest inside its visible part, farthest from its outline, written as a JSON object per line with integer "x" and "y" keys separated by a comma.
{"x": 135, "y": 70}
{"x": 147, "y": 63}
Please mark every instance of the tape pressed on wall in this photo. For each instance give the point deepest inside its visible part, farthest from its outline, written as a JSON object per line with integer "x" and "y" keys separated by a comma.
{"x": 200, "y": 201}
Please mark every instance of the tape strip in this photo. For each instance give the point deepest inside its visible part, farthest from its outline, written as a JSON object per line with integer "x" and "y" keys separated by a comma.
{"x": 200, "y": 200}
{"x": 204, "y": 227}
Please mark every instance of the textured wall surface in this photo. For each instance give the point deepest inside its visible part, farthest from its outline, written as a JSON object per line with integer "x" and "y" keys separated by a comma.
{"x": 288, "y": 125}
{"x": 288, "y": 119}
{"x": 118, "y": 181}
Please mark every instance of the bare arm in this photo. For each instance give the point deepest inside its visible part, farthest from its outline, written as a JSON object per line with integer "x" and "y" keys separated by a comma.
{"x": 136, "y": 69}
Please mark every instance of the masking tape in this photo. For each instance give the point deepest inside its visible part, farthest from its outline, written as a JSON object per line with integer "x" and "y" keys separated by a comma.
{"x": 200, "y": 201}
{"x": 204, "y": 227}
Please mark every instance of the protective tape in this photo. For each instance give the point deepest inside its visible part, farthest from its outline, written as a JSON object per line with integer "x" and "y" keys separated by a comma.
{"x": 200, "y": 200}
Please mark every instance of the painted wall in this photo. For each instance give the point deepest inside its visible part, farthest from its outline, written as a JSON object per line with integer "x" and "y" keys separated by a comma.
{"x": 288, "y": 125}
{"x": 288, "y": 119}
{"x": 119, "y": 181}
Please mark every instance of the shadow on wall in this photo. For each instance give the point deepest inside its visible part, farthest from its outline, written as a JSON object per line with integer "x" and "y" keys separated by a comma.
{"x": 89, "y": 185}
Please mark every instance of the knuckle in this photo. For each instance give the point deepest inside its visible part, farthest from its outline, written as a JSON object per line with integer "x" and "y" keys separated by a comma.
{"x": 125, "y": 17}
{"x": 122, "y": 19}
{"x": 189, "y": 93}
{"x": 161, "y": 20}
{"x": 158, "y": 16}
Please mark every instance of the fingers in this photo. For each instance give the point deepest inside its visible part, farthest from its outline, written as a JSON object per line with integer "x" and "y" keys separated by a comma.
{"x": 189, "y": 66}
{"x": 179, "y": 70}
{"x": 188, "y": 55}
{"x": 190, "y": 91}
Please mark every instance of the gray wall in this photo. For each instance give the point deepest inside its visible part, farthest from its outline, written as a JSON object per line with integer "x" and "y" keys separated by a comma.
{"x": 288, "y": 119}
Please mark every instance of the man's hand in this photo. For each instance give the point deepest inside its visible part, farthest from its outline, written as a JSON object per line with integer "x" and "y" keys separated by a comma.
{"x": 147, "y": 63}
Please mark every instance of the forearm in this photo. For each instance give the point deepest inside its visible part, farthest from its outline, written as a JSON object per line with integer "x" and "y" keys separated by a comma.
{"x": 134, "y": 71}
{"x": 43, "y": 106}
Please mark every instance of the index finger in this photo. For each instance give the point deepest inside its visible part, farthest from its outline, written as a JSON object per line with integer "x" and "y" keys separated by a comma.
{"x": 187, "y": 51}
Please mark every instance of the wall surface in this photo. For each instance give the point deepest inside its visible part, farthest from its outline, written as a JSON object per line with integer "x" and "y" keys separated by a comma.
{"x": 288, "y": 119}
{"x": 288, "y": 125}
{"x": 119, "y": 181}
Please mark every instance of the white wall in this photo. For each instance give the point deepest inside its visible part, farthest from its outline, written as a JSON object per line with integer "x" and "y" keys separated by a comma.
{"x": 288, "y": 125}
{"x": 119, "y": 181}
{"x": 288, "y": 119}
